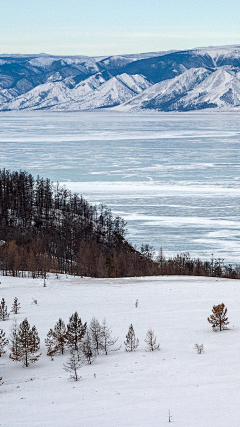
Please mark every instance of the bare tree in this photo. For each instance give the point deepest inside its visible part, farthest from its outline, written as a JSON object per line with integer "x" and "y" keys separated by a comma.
{"x": 4, "y": 315}
{"x": 73, "y": 365}
{"x": 108, "y": 341}
{"x": 88, "y": 349}
{"x": 151, "y": 340}
{"x": 161, "y": 259}
{"x": 1, "y": 381}
{"x": 131, "y": 342}
{"x": 96, "y": 333}
{"x": 3, "y": 342}
{"x": 218, "y": 318}
{"x": 199, "y": 348}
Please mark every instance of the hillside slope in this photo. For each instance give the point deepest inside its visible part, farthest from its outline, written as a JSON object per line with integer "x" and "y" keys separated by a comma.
{"x": 128, "y": 389}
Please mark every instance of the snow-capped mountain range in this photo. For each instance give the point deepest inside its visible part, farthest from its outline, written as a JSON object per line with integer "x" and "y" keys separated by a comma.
{"x": 166, "y": 81}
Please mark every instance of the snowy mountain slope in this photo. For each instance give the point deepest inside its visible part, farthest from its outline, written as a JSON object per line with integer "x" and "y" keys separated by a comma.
{"x": 162, "y": 94}
{"x": 81, "y": 82}
{"x": 110, "y": 93}
{"x": 94, "y": 92}
{"x": 127, "y": 389}
{"x": 118, "y": 61}
{"x": 7, "y": 94}
{"x": 40, "y": 97}
{"x": 55, "y": 91}
{"x": 193, "y": 90}
{"x": 221, "y": 55}
{"x": 220, "y": 89}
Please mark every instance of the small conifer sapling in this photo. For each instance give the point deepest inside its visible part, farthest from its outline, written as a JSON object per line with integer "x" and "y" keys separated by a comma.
{"x": 14, "y": 342}
{"x": 151, "y": 341}
{"x": 218, "y": 318}
{"x": 35, "y": 339}
{"x": 75, "y": 332}
{"x": 88, "y": 350}
{"x": 96, "y": 333}
{"x": 3, "y": 342}
{"x": 50, "y": 344}
{"x": 131, "y": 342}
{"x": 108, "y": 342}
{"x": 57, "y": 339}
{"x": 4, "y": 314}
{"x": 16, "y": 306}
{"x": 73, "y": 365}
{"x": 27, "y": 349}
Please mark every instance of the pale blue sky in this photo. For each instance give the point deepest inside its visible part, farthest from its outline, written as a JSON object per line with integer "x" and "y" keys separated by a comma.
{"x": 101, "y": 27}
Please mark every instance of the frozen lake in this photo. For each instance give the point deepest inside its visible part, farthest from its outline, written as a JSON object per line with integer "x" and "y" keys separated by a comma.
{"x": 173, "y": 177}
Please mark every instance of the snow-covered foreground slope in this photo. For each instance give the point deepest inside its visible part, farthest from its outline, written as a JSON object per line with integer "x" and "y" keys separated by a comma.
{"x": 128, "y": 389}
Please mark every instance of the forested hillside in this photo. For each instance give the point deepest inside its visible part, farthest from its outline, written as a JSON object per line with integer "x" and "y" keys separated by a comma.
{"x": 44, "y": 227}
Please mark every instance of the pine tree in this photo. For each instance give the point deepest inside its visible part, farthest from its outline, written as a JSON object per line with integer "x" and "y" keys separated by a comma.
{"x": 218, "y": 319}
{"x": 88, "y": 349}
{"x": 35, "y": 339}
{"x": 75, "y": 332}
{"x": 151, "y": 341}
{"x": 26, "y": 353}
{"x": 131, "y": 342}
{"x": 3, "y": 310}
{"x": 50, "y": 344}
{"x": 57, "y": 339}
{"x": 16, "y": 306}
{"x": 107, "y": 341}
{"x": 96, "y": 333}
{"x": 3, "y": 342}
{"x": 73, "y": 365}
{"x": 14, "y": 342}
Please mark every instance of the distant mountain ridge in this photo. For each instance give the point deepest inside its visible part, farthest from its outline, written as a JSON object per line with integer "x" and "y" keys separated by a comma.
{"x": 186, "y": 80}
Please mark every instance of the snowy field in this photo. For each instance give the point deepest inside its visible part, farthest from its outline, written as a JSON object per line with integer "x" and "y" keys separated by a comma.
{"x": 128, "y": 389}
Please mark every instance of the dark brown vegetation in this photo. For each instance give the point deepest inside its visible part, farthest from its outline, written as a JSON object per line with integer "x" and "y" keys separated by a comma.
{"x": 46, "y": 228}
{"x": 183, "y": 264}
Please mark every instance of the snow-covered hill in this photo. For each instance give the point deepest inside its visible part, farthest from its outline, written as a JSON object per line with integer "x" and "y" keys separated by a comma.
{"x": 167, "y": 81}
{"x": 127, "y": 389}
